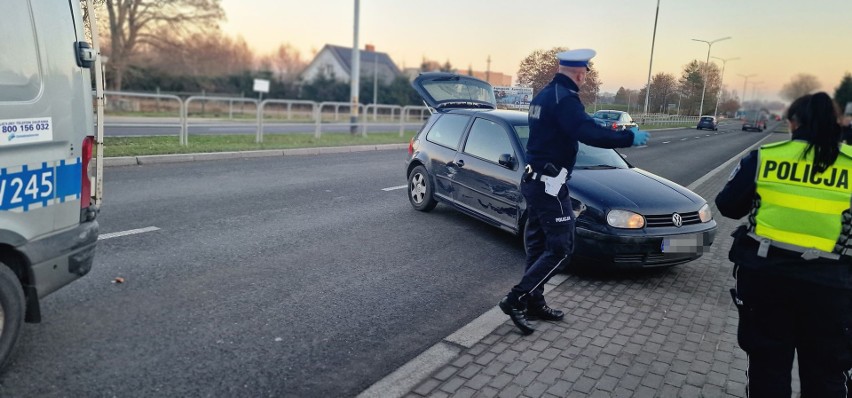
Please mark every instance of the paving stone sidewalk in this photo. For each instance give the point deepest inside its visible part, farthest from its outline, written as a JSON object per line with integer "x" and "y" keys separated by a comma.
{"x": 663, "y": 334}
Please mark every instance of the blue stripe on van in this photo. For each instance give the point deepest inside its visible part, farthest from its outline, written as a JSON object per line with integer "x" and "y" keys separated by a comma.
{"x": 39, "y": 184}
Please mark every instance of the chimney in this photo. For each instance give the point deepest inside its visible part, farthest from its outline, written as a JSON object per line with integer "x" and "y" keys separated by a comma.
{"x": 369, "y": 48}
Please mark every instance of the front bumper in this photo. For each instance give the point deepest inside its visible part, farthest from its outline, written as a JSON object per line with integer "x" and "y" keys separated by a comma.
{"x": 640, "y": 251}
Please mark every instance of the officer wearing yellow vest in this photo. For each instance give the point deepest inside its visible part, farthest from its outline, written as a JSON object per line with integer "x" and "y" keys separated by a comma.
{"x": 792, "y": 259}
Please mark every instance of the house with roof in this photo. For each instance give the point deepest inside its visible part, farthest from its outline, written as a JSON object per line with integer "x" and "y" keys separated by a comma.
{"x": 336, "y": 61}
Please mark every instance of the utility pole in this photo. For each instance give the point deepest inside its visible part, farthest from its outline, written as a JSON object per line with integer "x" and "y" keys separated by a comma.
{"x": 488, "y": 70}
{"x": 651, "y": 63}
{"x": 355, "y": 75}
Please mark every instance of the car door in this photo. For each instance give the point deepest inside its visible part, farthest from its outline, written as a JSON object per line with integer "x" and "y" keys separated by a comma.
{"x": 487, "y": 181}
{"x": 446, "y": 134}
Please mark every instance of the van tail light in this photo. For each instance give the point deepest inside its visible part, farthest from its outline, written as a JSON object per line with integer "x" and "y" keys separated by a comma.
{"x": 411, "y": 147}
{"x": 614, "y": 126}
{"x": 86, "y": 191}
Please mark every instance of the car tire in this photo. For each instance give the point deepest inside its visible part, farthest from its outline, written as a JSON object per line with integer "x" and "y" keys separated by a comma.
{"x": 420, "y": 190}
{"x": 12, "y": 309}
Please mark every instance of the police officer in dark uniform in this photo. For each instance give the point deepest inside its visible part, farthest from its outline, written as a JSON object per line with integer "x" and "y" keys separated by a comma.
{"x": 558, "y": 120}
{"x": 793, "y": 258}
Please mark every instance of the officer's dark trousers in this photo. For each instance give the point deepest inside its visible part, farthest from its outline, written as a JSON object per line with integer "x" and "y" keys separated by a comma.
{"x": 549, "y": 238}
{"x": 780, "y": 315}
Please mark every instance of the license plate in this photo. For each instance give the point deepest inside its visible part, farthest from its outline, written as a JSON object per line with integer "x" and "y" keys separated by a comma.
{"x": 692, "y": 243}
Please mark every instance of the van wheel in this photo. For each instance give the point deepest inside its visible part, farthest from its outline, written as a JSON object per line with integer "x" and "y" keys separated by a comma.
{"x": 12, "y": 310}
{"x": 420, "y": 190}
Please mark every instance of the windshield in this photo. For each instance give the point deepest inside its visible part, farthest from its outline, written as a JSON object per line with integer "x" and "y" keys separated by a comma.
{"x": 523, "y": 132}
{"x": 590, "y": 157}
{"x": 587, "y": 156}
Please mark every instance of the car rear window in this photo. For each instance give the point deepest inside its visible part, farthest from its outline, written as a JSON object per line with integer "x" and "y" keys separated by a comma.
{"x": 447, "y": 131}
{"x": 20, "y": 78}
{"x": 706, "y": 119}
{"x": 607, "y": 115}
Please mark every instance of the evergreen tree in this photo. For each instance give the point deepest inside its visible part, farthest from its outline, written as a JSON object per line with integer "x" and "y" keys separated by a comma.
{"x": 843, "y": 94}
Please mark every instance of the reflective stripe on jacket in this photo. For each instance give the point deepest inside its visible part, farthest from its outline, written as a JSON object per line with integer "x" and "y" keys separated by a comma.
{"x": 797, "y": 206}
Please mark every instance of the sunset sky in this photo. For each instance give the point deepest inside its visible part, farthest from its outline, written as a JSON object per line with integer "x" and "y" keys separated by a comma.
{"x": 774, "y": 39}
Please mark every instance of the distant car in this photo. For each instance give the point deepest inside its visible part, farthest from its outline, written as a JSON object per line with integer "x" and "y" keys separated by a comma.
{"x": 471, "y": 156}
{"x": 754, "y": 125}
{"x": 615, "y": 120}
{"x": 707, "y": 122}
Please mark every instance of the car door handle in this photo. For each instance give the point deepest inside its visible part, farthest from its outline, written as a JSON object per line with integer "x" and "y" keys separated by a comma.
{"x": 460, "y": 163}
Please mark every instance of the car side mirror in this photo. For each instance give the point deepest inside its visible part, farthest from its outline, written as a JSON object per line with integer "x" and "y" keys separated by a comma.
{"x": 507, "y": 161}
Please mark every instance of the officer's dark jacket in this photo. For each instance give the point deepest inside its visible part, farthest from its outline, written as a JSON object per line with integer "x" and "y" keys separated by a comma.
{"x": 736, "y": 200}
{"x": 558, "y": 120}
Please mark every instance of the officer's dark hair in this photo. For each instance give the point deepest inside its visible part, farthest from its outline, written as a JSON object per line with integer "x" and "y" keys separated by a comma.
{"x": 816, "y": 117}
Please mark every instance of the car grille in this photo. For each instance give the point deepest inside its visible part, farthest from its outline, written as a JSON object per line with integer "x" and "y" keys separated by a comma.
{"x": 665, "y": 220}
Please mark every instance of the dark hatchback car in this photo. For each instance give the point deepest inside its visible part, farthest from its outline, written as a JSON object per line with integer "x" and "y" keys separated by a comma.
{"x": 470, "y": 156}
{"x": 707, "y": 122}
{"x": 614, "y": 120}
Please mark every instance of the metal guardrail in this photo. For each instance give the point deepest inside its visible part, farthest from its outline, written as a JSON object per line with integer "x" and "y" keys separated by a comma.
{"x": 310, "y": 114}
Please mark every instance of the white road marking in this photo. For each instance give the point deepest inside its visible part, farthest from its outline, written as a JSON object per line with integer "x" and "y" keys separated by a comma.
{"x": 684, "y": 139}
{"x": 125, "y": 233}
{"x": 666, "y": 142}
{"x": 394, "y": 188}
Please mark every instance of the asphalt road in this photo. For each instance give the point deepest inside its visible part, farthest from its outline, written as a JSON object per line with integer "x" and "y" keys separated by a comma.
{"x": 285, "y": 276}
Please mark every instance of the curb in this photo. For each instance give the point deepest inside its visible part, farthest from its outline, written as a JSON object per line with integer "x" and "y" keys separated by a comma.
{"x": 204, "y": 156}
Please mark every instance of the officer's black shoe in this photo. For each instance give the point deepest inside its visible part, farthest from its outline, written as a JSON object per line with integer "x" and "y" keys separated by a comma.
{"x": 545, "y": 313}
{"x": 518, "y": 315}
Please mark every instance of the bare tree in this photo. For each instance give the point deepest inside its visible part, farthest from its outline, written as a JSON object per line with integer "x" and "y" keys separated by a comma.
{"x": 285, "y": 63}
{"x": 210, "y": 54}
{"x": 134, "y": 24}
{"x": 538, "y": 68}
{"x": 800, "y": 85}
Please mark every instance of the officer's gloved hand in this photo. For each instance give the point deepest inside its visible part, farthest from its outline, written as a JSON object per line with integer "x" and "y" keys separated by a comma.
{"x": 639, "y": 137}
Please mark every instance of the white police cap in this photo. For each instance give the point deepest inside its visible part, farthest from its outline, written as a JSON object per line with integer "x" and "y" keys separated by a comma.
{"x": 576, "y": 58}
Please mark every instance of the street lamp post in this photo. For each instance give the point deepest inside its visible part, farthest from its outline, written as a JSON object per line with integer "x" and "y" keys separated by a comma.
{"x": 354, "y": 83}
{"x": 721, "y": 80}
{"x": 754, "y": 91}
{"x": 651, "y": 63}
{"x": 706, "y": 70}
{"x": 745, "y": 85}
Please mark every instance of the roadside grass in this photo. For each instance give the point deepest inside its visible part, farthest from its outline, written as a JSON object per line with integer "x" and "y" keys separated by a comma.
{"x": 162, "y": 145}
{"x": 165, "y": 145}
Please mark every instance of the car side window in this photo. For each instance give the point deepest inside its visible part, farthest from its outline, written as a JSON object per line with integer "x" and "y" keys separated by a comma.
{"x": 488, "y": 140}
{"x": 20, "y": 78}
{"x": 447, "y": 131}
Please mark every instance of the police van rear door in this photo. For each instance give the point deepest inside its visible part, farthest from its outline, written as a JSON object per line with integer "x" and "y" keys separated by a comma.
{"x": 45, "y": 116}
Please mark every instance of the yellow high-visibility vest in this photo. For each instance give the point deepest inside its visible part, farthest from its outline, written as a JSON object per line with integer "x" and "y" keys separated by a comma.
{"x": 799, "y": 207}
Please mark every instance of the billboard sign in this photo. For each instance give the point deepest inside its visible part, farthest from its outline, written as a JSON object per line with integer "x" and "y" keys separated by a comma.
{"x": 513, "y": 97}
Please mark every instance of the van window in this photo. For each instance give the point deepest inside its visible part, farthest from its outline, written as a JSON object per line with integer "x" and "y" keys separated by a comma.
{"x": 20, "y": 79}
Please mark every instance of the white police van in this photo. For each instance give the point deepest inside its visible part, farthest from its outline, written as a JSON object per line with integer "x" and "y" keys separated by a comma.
{"x": 49, "y": 173}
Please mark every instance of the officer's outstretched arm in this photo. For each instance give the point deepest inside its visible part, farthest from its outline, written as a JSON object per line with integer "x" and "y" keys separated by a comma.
{"x": 640, "y": 137}
{"x": 573, "y": 118}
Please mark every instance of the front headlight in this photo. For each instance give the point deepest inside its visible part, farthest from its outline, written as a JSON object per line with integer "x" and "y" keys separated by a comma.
{"x": 625, "y": 219}
{"x": 705, "y": 214}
